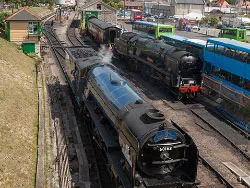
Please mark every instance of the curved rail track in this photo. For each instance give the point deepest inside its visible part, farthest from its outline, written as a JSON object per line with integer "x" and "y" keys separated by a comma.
{"x": 60, "y": 55}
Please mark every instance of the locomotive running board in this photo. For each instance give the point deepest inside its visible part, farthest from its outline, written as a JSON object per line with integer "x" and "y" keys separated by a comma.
{"x": 106, "y": 134}
{"x": 115, "y": 158}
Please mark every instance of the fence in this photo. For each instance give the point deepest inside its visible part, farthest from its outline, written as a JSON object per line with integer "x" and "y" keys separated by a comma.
{"x": 226, "y": 92}
{"x": 62, "y": 160}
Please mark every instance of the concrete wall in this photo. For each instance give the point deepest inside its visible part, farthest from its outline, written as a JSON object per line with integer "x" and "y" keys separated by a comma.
{"x": 104, "y": 13}
{"x": 187, "y": 8}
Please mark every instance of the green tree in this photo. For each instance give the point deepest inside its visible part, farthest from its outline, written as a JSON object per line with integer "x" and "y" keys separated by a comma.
{"x": 211, "y": 19}
{"x": 231, "y": 1}
{"x": 114, "y": 3}
{"x": 3, "y": 16}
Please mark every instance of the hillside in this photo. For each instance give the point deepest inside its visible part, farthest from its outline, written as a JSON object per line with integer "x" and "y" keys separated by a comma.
{"x": 18, "y": 117}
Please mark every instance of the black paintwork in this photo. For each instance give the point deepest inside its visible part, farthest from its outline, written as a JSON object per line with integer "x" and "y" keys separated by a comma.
{"x": 163, "y": 62}
{"x": 136, "y": 123}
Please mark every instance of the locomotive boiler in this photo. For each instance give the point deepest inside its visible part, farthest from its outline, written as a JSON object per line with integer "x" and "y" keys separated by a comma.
{"x": 142, "y": 148}
{"x": 177, "y": 69}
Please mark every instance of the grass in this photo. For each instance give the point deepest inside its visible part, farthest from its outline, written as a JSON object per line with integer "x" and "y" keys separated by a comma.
{"x": 40, "y": 11}
{"x": 18, "y": 117}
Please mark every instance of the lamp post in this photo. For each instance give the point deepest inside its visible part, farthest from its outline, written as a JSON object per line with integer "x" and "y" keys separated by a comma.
{"x": 158, "y": 14}
{"x": 124, "y": 14}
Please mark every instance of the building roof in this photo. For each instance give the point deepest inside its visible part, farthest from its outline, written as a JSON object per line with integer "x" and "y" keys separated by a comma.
{"x": 196, "y": 2}
{"x": 23, "y": 15}
{"x": 230, "y": 43}
{"x": 101, "y": 24}
{"x": 96, "y": 2}
{"x": 162, "y": 7}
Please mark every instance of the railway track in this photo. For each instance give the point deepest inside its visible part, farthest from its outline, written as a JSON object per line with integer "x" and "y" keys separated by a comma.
{"x": 58, "y": 50}
{"x": 214, "y": 149}
{"x": 72, "y": 35}
{"x": 226, "y": 179}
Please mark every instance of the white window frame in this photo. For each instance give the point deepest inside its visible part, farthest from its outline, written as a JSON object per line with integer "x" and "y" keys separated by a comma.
{"x": 31, "y": 27}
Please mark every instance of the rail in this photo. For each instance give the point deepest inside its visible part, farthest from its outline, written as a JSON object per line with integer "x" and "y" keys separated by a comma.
{"x": 88, "y": 151}
{"x": 218, "y": 174}
{"x": 244, "y": 128}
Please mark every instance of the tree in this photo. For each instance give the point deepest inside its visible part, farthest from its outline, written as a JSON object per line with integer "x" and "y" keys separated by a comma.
{"x": 231, "y": 1}
{"x": 211, "y": 19}
{"x": 114, "y": 3}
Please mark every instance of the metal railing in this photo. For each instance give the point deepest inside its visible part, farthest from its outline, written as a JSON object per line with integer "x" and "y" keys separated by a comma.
{"x": 226, "y": 92}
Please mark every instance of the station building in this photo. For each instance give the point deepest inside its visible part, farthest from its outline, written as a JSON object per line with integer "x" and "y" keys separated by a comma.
{"x": 24, "y": 27}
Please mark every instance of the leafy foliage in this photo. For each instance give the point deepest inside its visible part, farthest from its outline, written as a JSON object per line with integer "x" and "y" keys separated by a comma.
{"x": 114, "y": 3}
{"x": 212, "y": 19}
{"x": 29, "y": 2}
{"x": 3, "y": 16}
{"x": 231, "y": 1}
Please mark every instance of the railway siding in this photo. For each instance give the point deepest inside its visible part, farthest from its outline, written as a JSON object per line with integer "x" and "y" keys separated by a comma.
{"x": 225, "y": 130}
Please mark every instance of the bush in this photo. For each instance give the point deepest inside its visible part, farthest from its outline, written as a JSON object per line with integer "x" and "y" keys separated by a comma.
{"x": 3, "y": 17}
{"x": 212, "y": 19}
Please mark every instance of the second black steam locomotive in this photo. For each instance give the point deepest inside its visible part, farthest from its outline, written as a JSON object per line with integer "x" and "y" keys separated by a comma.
{"x": 172, "y": 66}
{"x": 142, "y": 148}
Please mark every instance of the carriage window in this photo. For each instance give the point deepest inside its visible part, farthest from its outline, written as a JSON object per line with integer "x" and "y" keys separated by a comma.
{"x": 140, "y": 27}
{"x": 207, "y": 68}
{"x": 230, "y": 32}
{"x": 99, "y": 6}
{"x": 225, "y": 75}
{"x": 240, "y": 56}
{"x": 248, "y": 59}
{"x": 219, "y": 49}
{"x": 165, "y": 30}
{"x": 152, "y": 30}
{"x": 215, "y": 71}
{"x": 246, "y": 84}
{"x": 210, "y": 47}
{"x": 229, "y": 52}
{"x": 237, "y": 80}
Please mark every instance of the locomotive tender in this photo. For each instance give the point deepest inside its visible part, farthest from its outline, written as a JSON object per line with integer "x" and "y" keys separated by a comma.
{"x": 102, "y": 32}
{"x": 177, "y": 69}
{"x": 141, "y": 147}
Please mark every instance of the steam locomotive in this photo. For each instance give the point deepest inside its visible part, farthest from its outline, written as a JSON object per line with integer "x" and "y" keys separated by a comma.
{"x": 142, "y": 148}
{"x": 177, "y": 69}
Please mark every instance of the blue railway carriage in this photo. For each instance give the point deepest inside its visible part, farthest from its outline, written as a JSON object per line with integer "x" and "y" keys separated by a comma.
{"x": 174, "y": 40}
{"x": 196, "y": 47}
{"x": 227, "y": 69}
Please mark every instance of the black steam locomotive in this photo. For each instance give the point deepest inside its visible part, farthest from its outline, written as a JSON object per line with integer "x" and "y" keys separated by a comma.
{"x": 101, "y": 31}
{"x": 176, "y": 68}
{"x": 141, "y": 147}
